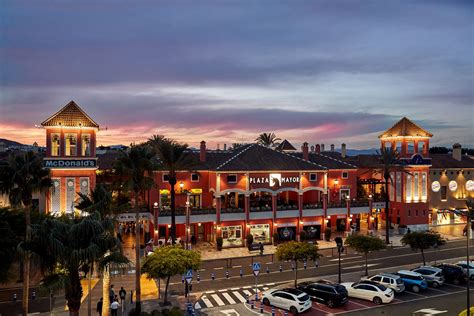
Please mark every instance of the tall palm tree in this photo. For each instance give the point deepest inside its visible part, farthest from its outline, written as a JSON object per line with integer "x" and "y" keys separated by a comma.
{"x": 20, "y": 178}
{"x": 173, "y": 158}
{"x": 136, "y": 167}
{"x": 388, "y": 159}
{"x": 65, "y": 246}
{"x": 267, "y": 139}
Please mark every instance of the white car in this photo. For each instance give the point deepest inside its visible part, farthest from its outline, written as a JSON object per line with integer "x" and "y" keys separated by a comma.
{"x": 293, "y": 300}
{"x": 464, "y": 265}
{"x": 370, "y": 291}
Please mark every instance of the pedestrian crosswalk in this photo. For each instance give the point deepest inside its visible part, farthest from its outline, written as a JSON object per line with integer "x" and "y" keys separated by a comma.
{"x": 228, "y": 297}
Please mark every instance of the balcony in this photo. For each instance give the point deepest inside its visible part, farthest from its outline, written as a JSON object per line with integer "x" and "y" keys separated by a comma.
{"x": 229, "y": 210}
{"x": 181, "y": 211}
{"x": 260, "y": 209}
{"x": 314, "y": 206}
{"x": 287, "y": 207}
{"x": 337, "y": 204}
{"x": 359, "y": 202}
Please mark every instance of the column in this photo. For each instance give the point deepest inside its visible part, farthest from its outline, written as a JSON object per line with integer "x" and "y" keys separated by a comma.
{"x": 218, "y": 216}
{"x": 348, "y": 217}
{"x": 369, "y": 219}
{"x": 155, "y": 224}
{"x": 247, "y": 215}
{"x": 325, "y": 212}
{"x": 274, "y": 212}
{"x": 300, "y": 213}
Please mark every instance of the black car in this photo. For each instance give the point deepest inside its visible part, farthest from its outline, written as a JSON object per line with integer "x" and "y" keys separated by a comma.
{"x": 453, "y": 273}
{"x": 331, "y": 294}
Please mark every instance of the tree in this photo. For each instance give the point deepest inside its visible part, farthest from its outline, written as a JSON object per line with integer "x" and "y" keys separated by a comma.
{"x": 365, "y": 244}
{"x": 267, "y": 139}
{"x": 388, "y": 157}
{"x": 20, "y": 178}
{"x": 297, "y": 252}
{"x": 65, "y": 246}
{"x": 423, "y": 241}
{"x": 136, "y": 168}
{"x": 100, "y": 200}
{"x": 173, "y": 158}
{"x": 168, "y": 261}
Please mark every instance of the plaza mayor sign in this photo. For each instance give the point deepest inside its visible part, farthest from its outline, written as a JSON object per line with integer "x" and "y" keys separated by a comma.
{"x": 70, "y": 163}
{"x": 274, "y": 180}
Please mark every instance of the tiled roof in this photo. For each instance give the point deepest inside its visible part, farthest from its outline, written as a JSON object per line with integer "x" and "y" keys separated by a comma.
{"x": 285, "y": 145}
{"x": 364, "y": 161}
{"x": 405, "y": 127}
{"x": 446, "y": 161}
{"x": 70, "y": 115}
{"x": 255, "y": 157}
{"x": 326, "y": 160}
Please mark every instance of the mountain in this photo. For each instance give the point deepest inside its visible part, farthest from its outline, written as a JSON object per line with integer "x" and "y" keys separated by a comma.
{"x": 11, "y": 143}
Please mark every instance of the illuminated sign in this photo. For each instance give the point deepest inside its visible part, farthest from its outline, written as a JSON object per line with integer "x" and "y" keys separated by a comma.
{"x": 453, "y": 185}
{"x": 274, "y": 180}
{"x": 70, "y": 163}
{"x": 435, "y": 186}
{"x": 470, "y": 185}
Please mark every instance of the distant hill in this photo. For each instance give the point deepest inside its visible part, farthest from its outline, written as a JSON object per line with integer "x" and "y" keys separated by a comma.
{"x": 10, "y": 143}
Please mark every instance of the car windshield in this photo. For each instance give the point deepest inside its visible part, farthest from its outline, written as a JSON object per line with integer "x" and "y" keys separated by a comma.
{"x": 399, "y": 281}
{"x": 303, "y": 298}
{"x": 380, "y": 286}
{"x": 293, "y": 291}
{"x": 340, "y": 289}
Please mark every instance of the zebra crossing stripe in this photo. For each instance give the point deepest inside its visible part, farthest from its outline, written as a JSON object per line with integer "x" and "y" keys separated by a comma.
{"x": 265, "y": 288}
{"x": 247, "y": 292}
{"x": 228, "y": 298}
{"x": 217, "y": 299}
{"x": 206, "y": 302}
{"x": 239, "y": 297}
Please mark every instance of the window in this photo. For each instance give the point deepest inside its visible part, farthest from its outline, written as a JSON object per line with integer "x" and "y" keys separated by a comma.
{"x": 313, "y": 177}
{"x": 86, "y": 145}
{"x": 399, "y": 187}
{"x": 56, "y": 197}
{"x": 386, "y": 280}
{"x": 424, "y": 212}
{"x": 416, "y": 187}
{"x": 410, "y": 147}
{"x": 419, "y": 146}
{"x": 345, "y": 175}
{"x": 231, "y": 178}
{"x": 424, "y": 185}
{"x": 55, "y": 145}
{"x": 70, "y": 194}
{"x": 194, "y": 177}
{"x": 444, "y": 191}
{"x": 345, "y": 194}
{"x": 409, "y": 212}
{"x": 391, "y": 187}
{"x": 165, "y": 177}
{"x": 84, "y": 186}
{"x": 408, "y": 194}
{"x": 71, "y": 145}
{"x": 377, "y": 279}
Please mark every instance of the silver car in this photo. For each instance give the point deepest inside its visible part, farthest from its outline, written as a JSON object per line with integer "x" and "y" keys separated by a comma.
{"x": 389, "y": 280}
{"x": 434, "y": 276}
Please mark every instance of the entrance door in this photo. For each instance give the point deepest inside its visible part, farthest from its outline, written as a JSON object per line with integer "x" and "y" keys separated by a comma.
{"x": 200, "y": 233}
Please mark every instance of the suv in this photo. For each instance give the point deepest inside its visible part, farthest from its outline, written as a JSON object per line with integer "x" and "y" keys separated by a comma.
{"x": 467, "y": 267}
{"x": 434, "y": 276}
{"x": 331, "y": 294}
{"x": 392, "y": 281}
{"x": 452, "y": 273}
{"x": 414, "y": 281}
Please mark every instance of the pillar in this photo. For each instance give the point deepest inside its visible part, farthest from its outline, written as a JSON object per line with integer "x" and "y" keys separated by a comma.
{"x": 325, "y": 213}
{"x": 247, "y": 215}
{"x": 300, "y": 213}
{"x": 274, "y": 211}
{"x": 218, "y": 216}
{"x": 348, "y": 217}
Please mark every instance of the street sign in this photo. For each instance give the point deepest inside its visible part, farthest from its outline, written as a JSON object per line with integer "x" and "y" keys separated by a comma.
{"x": 189, "y": 276}
{"x": 256, "y": 268}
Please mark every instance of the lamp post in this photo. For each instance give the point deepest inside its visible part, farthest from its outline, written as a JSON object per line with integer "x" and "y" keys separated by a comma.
{"x": 340, "y": 248}
{"x": 187, "y": 220}
{"x": 155, "y": 217}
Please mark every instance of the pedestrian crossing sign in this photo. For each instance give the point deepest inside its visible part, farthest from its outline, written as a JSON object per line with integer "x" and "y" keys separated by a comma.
{"x": 189, "y": 276}
{"x": 256, "y": 268}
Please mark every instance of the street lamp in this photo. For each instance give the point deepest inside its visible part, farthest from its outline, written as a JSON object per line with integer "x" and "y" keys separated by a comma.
{"x": 187, "y": 220}
{"x": 155, "y": 216}
{"x": 340, "y": 248}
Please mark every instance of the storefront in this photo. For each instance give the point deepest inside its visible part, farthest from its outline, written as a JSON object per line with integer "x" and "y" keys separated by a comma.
{"x": 232, "y": 236}
{"x": 458, "y": 218}
{"x": 443, "y": 217}
{"x": 313, "y": 230}
{"x": 260, "y": 233}
{"x": 286, "y": 232}
{"x": 341, "y": 223}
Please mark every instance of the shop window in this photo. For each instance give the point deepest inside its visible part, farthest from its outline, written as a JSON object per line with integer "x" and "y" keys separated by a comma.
{"x": 194, "y": 177}
{"x": 56, "y": 197}
{"x": 345, "y": 175}
{"x": 443, "y": 191}
{"x": 85, "y": 145}
{"x": 70, "y": 195}
{"x": 232, "y": 236}
{"x": 55, "y": 145}
{"x": 399, "y": 187}
{"x": 260, "y": 233}
{"x": 424, "y": 185}
{"x": 71, "y": 145}
{"x": 84, "y": 186}
{"x": 195, "y": 200}
{"x": 231, "y": 178}
{"x": 165, "y": 177}
{"x": 313, "y": 177}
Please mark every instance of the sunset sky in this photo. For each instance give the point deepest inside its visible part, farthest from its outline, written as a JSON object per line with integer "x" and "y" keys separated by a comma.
{"x": 225, "y": 71}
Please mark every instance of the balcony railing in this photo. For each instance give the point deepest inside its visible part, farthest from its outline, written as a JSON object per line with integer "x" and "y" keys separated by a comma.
{"x": 337, "y": 204}
{"x": 232, "y": 210}
{"x": 313, "y": 206}
{"x": 287, "y": 207}
{"x": 181, "y": 211}
{"x": 260, "y": 209}
{"x": 359, "y": 203}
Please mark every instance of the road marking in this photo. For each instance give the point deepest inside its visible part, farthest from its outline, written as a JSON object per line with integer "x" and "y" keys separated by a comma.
{"x": 438, "y": 290}
{"x": 206, "y": 301}
{"x": 210, "y": 292}
{"x": 270, "y": 284}
{"x": 217, "y": 299}
{"x": 265, "y": 288}
{"x": 269, "y": 262}
{"x": 360, "y": 304}
{"x": 230, "y": 312}
{"x": 235, "y": 289}
{"x": 247, "y": 287}
{"x": 228, "y": 298}
{"x": 236, "y": 266}
{"x": 346, "y": 258}
{"x": 361, "y": 266}
{"x": 202, "y": 270}
{"x": 224, "y": 290}
{"x": 246, "y": 292}
{"x": 239, "y": 297}
{"x": 221, "y": 268}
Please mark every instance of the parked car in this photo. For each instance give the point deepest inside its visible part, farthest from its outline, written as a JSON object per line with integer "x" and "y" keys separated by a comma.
{"x": 452, "y": 273}
{"x": 370, "y": 291}
{"x": 392, "y": 281}
{"x": 413, "y": 280}
{"x": 434, "y": 276}
{"x": 465, "y": 265}
{"x": 293, "y": 300}
{"x": 331, "y": 294}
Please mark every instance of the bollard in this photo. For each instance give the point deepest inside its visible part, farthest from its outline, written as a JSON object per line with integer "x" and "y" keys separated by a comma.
{"x": 213, "y": 276}
{"x": 33, "y": 295}
{"x": 182, "y": 279}
{"x": 252, "y": 306}
{"x": 281, "y": 268}
{"x": 293, "y": 266}
{"x": 316, "y": 263}
{"x": 305, "y": 265}
{"x": 248, "y": 299}
{"x": 227, "y": 274}
{"x": 261, "y": 308}
{"x": 241, "y": 273}
{"x": 268, "y": 270}
{"x": 14, "y": 297}
{"x": 198, "y": 278}
{"x": 273, "y": 311}
{"x": 131, "y": 296}
{"x": 286, "y": 313}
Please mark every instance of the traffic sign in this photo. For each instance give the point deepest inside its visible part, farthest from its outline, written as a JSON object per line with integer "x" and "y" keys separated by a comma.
{"x": 256, "y": 268}
{"x": 189, "y": 276}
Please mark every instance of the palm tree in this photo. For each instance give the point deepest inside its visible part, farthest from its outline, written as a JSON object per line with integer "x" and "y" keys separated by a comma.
{"x": 65, "y": 246}
{"x": 173, "y": 158}
{"x": 267, "y": 139}
{"x": 388, "y": 158}
{"x": 136, "y": 167}
{"x": 20, "y": 178}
